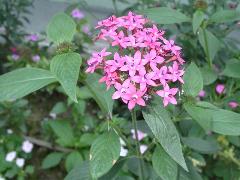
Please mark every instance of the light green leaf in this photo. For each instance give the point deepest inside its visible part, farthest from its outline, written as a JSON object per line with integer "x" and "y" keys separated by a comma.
{"x": 201, "y": 145}
{"x": 209, "y": 75}
{"x": 226, "y": 123}
{"x": 102, "y": 96}
{"x": 63, "y": 131}
{"x": 61, "y": 28}
{"x": 232, "y": 69}
{"x": 166, "y": 133}
{"x": 211, "y": 45}
{"x": 198, "y": 18}
{"x": 165, "y": 15}
{"x": 59, "y": 108}
{"x": 104, "y": 153}
{"x": 21, "y": 82}
{"x": 193, "y": 81}
{"x": 225, "y": 16}
{"x": 164, "y": 165}
{"x": 72, "y": 160}
{"x": 202, "y": 113}
{"x": 52, "y": 160}
{"x": 80, "y": 172}
{"x": 66, "y": 68}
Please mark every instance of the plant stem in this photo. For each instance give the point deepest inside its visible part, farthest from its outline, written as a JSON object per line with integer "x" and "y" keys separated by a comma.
{"x": 207, "y": 50}
{"x": 139, "y": 155}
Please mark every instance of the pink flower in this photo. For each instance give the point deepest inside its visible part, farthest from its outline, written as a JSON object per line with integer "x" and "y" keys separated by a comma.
{"x": 135, "y": 97}
{"x": 202, "y": 93}
{"x": 168, "y": 95}
{"x": 153, "y": 59}
{"x": 32, "y": 37}
{"x": 143, "y": 60}
{"x": 140, "y": 134}
{"x": 77, "y": 14}
{"x": 220, "y": 88}
{"x": 233, "y": 104}
{"x": 134, "y": 64}
{"x": 36, "y": 58}
{"x": 175, "y": 72}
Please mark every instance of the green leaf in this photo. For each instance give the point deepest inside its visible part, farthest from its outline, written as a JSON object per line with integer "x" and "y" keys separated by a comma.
{"x": 63, "y": 131}
{"x": 80, "y": 172}
{"x": 21, "y": 82}
{"x": 198, "y": 18}
{"x": 164, "y": 165}
{"x": 211, "y": 45}
{"x": 202, "y": 113}
{"x": 66, "y": 68}
{"x": 61, "y": 28}
{"x": 102, "y": 96}
{"x": 225, "y": 16}
{"x": 226, "y": 122}
{"x": 209, "y": 75}
{"x": 193, "y": 81}
{"x": 165, "y": 15}
{"x": 164, "y": 130}
{"x": 52, "y": 160}
{"x": 72, "y": 160}
{"x": 104, "y": 152}
{"x": 201, "y": 145}
{"x": 59, "y": 108}
{"x": 232, "y": 69}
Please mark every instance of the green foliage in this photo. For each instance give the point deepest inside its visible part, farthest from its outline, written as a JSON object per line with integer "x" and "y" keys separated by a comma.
{"x": 209, "y": 75}
{"x": 80, "y": 172}
{"x": 61, "y": 28}
{"x": 104, "y": 153}
{"x": 164, "y": 165}
{"x": 73, "y": 159}
{"x": 193, "y": 81}
{"x": 52, "y": 160}
{"x": 223, "y": 16}
{"x": 66, "y": 69}
{"x": 99, "y": 93}
{"x": 165, "y": 15}
{"x": 21, "y": 82}
{"x": 232, "y": 68}
{"x": 63, "y": 131}
{"x": 198, "y": 18}
{"x": 166, "y": 133}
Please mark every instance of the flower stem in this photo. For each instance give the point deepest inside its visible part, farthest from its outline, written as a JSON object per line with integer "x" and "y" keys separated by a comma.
{"x": 139, "y": 155}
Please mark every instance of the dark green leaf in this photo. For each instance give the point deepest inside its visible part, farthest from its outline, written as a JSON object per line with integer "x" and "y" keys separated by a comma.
{"x": 211, "y": 45}
{"x": 52, "y": 160}
{"x": 201, "y": 145}
{"x": 165, "y": 15}
{"x": 164, "y": 130}
{"x": 164, "y": 165}
{"x": 63, "y": 131}
{"x": 209, "y": 75}
{"x": 193, "y": 81}
{"x": 21, "y": 82}
{"x": 66, "y": 68}
{"x": 225, "y": 16}
{"x": 104, "y": 153}
{"x": 102, "y": 96}
{"x": 232, "y": 69}
{"x": 198, "y": 18}
{"x": 72, "y": 160}
{"x": 80, "y": 172}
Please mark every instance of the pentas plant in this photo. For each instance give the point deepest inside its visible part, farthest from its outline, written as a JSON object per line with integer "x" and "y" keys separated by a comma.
{"x": 144, "y": 64}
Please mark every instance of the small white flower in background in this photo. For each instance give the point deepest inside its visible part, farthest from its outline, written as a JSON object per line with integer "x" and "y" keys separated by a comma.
{"x": 15, "y": 57}
{"x": 27, "y": 146}
{"x": 9, "y": 131}
{"x": 2, "y": 30}
{"x": 36, "y": 58}
{"x": 20, "y": 162}
{"x": 11, "y": 156}
{"x": 122, "y": 142}
{"x": 140, "y": 134}
{"x": 143, "y": 148}
{"x": 53, "y": 115}
{"x": 123, "y": 152}
{"x": 2, "y": 178}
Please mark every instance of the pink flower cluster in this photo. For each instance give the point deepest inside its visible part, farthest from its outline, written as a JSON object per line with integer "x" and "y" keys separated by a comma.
{"x": 145, "y": 62}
